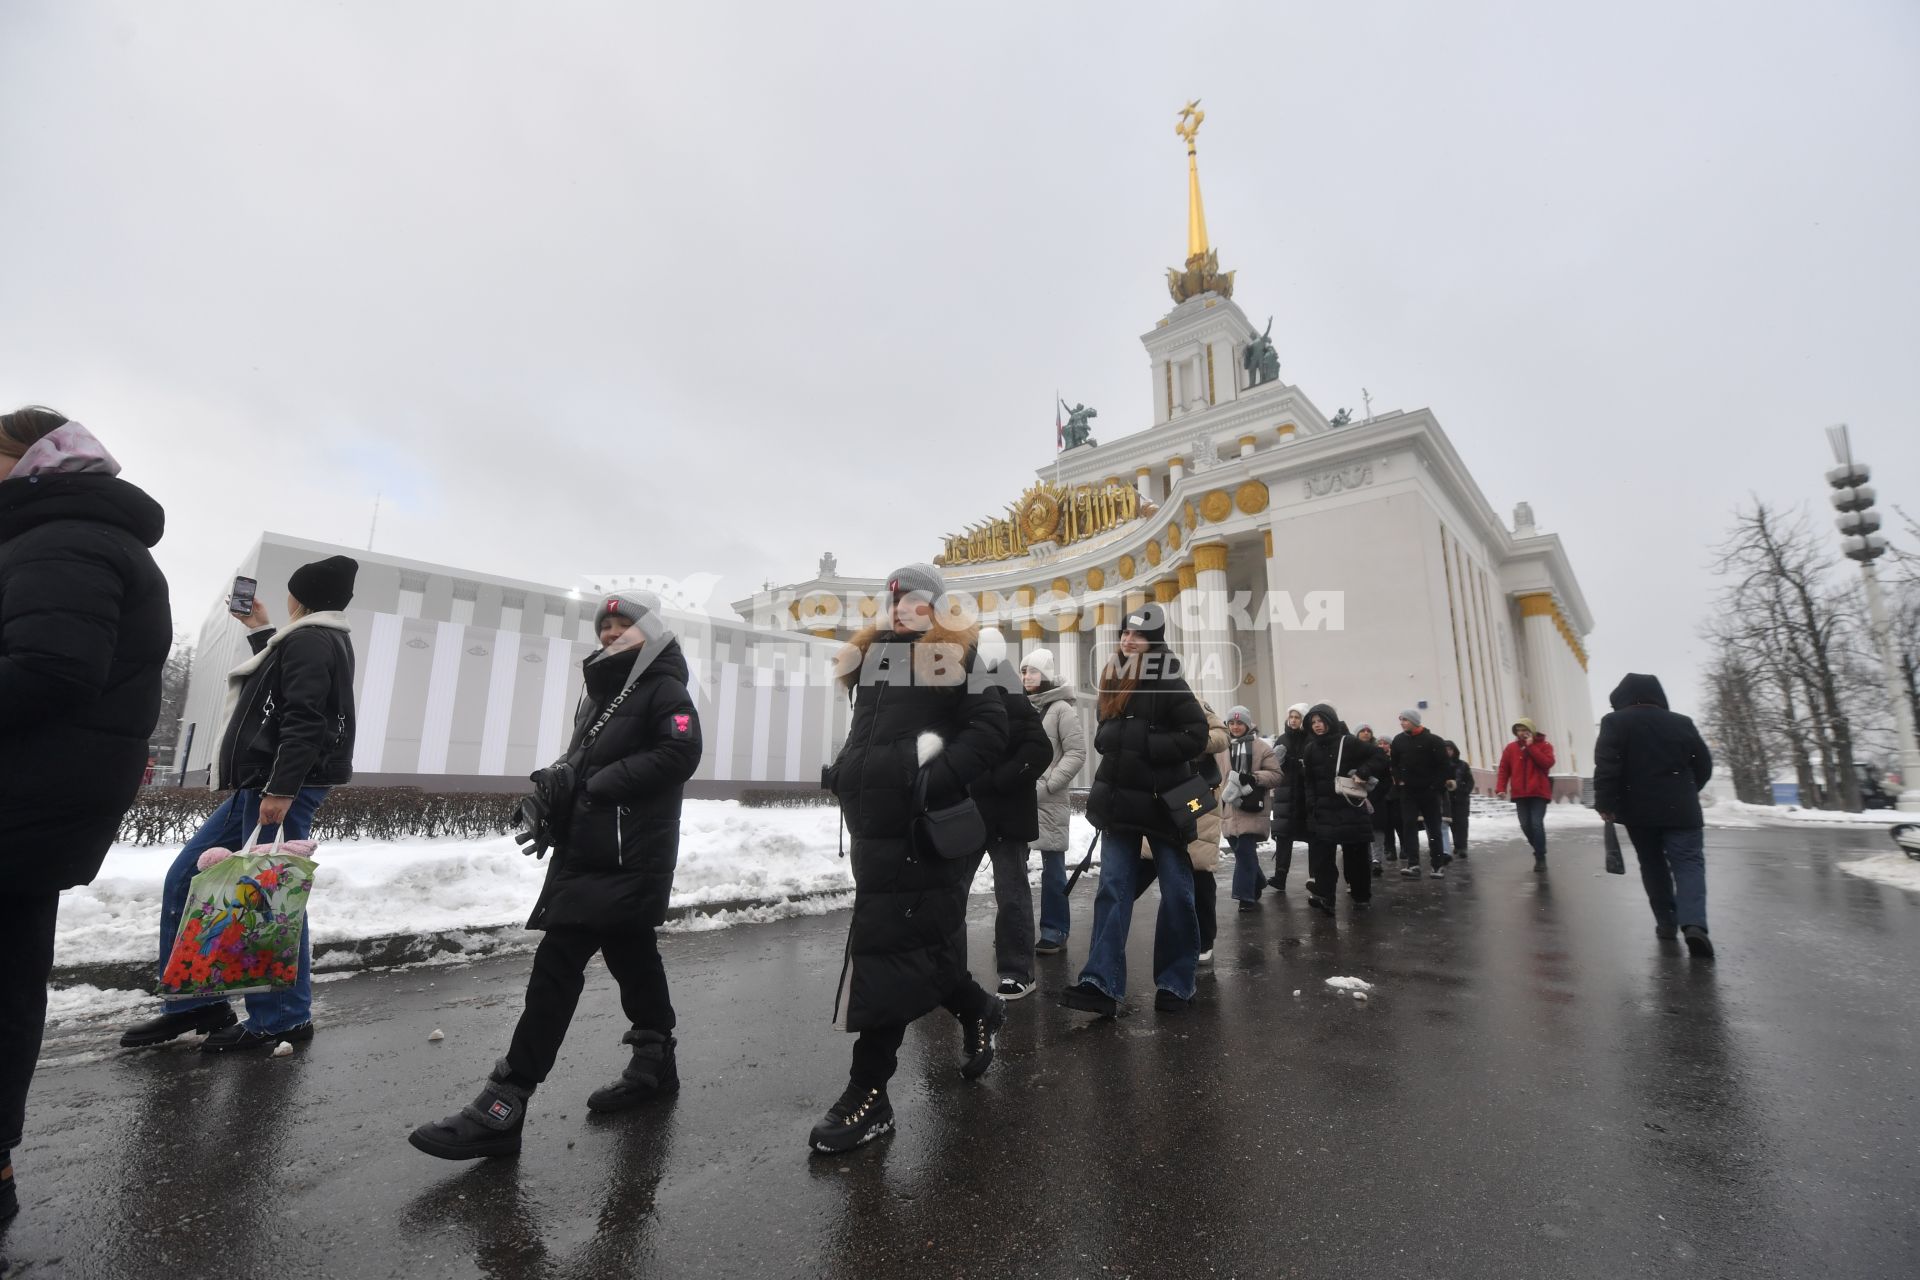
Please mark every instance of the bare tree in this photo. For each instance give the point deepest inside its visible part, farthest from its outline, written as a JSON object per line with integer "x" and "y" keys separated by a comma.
{"x": 173, "y": 703}
{"x": 1736, "y": 720}
{"x": 1780, "y": 597}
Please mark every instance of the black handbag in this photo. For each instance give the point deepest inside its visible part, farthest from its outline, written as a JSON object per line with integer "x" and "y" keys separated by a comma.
{"x": 957, "y": 831}
{"x": 1187, "y": 802}
{"x": 1616, "y": 858}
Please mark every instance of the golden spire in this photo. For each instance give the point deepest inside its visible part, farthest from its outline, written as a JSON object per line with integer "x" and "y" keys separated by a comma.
{"x": 1191, "y": 118}
{"x": 1202, "y": 274}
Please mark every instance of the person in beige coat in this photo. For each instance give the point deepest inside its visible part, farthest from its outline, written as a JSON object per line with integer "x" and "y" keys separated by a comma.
{"x": 1253, "y": 775}
{"x": 1204, "y": 852}
{"x": 1060, "y": 717}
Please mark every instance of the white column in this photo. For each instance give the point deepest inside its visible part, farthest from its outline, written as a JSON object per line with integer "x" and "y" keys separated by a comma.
{"x": 1143, "y": 483}
{"x": 1176, "y": 470}
{"x": 1219, "y": 677}
{"x": 1542, "y": 639}
{"x": 1246, "y": 446}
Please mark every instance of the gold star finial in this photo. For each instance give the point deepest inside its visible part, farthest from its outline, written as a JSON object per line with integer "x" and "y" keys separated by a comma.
{"x": 1191, "y": 117}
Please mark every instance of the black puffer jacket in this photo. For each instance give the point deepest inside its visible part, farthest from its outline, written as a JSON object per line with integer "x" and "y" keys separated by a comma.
{"x": 1331, "y": 817}
{"x": 1149, "y": 748}
{"x": 1462, "y": 797}
{"x": 1420, "y": 761}
{"x": 907, "y": 944}
{"x": 84, "y": 634}
{"x": 1649, "y": 763}
{"x": 293, "y": 724}
{"x": 1289, "y": 802}
{"x": 612, "y": 865}
{"x": 1005, "y": 793}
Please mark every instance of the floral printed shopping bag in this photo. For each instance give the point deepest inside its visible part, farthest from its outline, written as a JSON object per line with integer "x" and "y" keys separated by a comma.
{"x": 241, "y": 929}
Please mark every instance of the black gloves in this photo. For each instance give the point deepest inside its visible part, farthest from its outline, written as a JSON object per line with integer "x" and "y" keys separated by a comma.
{"x": 553, "y": 783}
{"x": 1246, "y": 779}
{"x": 530, "y": 826}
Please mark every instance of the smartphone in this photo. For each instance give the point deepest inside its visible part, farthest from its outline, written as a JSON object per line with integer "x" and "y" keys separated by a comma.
{"x": 241, "y": 602}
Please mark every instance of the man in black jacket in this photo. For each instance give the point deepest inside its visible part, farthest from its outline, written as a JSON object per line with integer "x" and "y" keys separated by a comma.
{"x": 287, "y": 741}
{"x": 1012, "y": 811}
{"x": 1422, "y": 775}
{"x": 613, "y": 817}
{"x": 1649, "y": 764}
{"x": 84, "y": 633}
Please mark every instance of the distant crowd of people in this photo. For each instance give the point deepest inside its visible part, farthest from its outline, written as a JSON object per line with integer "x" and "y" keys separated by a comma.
{"x": 956, "y": 753}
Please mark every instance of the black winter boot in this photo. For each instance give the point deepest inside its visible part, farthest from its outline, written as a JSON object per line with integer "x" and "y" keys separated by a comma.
{"x": 862, "y": 1114}
{"x": 983, "y": 1035}
{"x": 487, "y": 1126}
{"x": 1697, "y": 941}
{"x": 650, "y": 1075}
{"x": 171, "y": 1026}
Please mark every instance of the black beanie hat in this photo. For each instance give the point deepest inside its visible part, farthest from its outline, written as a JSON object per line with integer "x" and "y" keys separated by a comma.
{"x": 325, "y": 585}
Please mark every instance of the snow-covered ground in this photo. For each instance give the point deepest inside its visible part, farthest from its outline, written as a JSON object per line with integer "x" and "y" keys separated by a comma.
{"x": 1894, "y": 868}
{"x": 1732, "y": 813}
{"x": 737, "y": 865}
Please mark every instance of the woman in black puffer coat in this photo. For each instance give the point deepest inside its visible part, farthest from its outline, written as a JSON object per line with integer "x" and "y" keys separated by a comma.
{"x": 614, "y": 820}
{"x": 1152, "y": 731}
{"x": 1289, "y": 815}
{"x": 84, "y": 634}
{"x": 1334, "y": 822}
{"x": 919, "y": 710}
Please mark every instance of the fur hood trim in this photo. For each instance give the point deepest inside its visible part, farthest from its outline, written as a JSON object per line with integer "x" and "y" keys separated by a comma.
{"x": 940, "y": 655}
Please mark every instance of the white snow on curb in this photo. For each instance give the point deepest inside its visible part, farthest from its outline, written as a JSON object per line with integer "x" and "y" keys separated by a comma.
{"x": 780, "y": 862}
{"x": 1896, "y": 869}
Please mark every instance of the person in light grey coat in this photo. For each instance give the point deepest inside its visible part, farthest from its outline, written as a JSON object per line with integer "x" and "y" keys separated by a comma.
{"x": 1060, "y": 717}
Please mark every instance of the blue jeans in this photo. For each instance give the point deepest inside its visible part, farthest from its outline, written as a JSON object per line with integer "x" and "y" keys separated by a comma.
{"x": 1176, "y": 935}
{"x": 1532, "y": 812}
{"x": 1673, "y": 867}
{"x": 1248, "y": 879}
{"x": 225, "y": 828}
{"x": 1056, "y": 919}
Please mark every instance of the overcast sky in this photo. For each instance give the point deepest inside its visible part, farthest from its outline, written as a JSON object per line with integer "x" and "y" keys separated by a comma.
{"x": 714, "y": 288}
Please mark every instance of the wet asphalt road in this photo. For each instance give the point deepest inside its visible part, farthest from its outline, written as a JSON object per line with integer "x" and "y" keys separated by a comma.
{"x": 1537, "y": 1088}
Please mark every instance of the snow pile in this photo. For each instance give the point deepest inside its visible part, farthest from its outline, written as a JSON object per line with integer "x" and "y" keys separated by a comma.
{"x": 1733, "y": 813}
{"x": 1355, "y": 985}
{"x": 1894, "y": 868}
{"x": 737, "y": 865}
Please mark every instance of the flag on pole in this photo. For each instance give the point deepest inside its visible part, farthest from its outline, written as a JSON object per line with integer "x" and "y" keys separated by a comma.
{"x": 1059, "y": 428}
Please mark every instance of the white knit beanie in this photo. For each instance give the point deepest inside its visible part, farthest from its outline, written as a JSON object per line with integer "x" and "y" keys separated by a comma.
{"x": 1040, "y": 660}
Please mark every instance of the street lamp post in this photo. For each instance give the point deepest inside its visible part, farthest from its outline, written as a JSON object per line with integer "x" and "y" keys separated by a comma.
{"x": 1862, "y": 541}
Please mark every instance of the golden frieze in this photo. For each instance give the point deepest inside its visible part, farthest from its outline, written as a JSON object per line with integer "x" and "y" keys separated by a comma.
{"x": 1216, "y": 506}
{"x": 1251, "y": 497}
{"x": 1044, "y": 513}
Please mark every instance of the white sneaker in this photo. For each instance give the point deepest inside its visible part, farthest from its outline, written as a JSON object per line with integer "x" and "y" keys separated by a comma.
{"x": 1014, "y": 989}
{"x": 1206, "y": 957}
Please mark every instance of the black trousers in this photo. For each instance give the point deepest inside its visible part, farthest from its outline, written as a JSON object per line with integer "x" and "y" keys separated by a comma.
{"x": 1427, "y": 807}
{"x": 1282, "y": 860}
{"x": 1323, "y": 868}
{"x": 1462, "y": 805}
{"x": 876, "y": 1051}
{"x": 553, "y": 991}
{"x": 26, "y": 960}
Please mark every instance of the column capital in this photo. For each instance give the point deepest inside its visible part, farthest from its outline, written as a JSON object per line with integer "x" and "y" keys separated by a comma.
{"x": 1210, "y": 555}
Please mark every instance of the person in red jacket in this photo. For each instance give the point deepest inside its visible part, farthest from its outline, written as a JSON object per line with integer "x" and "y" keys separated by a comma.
{"x": 1525, "y": 778}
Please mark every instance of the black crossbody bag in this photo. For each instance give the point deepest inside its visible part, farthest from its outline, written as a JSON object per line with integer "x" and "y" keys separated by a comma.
{"x": 957, "y": 831}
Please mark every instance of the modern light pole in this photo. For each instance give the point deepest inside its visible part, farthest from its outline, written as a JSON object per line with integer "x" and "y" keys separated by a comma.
{"x": 1861, "y": 540}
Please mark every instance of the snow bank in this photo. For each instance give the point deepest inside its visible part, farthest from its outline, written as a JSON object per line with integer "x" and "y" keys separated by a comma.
{"x": 1894, "y": 868}
{"x": 742, "y": 865}
{"x": 1734, "y": 813}
{"x": 1350, "y": 984}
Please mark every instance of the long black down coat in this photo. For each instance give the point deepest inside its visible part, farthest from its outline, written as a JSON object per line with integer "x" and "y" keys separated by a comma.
{"x": 907, "y": 944}
{"x": 293, "y": 725}
{"x": 612, "y": 867}
{"x": 84, "y": 634}
{"x": 1005, "y": 792}
{"x": 1289, "y": 812}
{"x": 1331, "y": 818}
{"x": 1149, "y": 748}
{"x": 1649, "y": 762}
